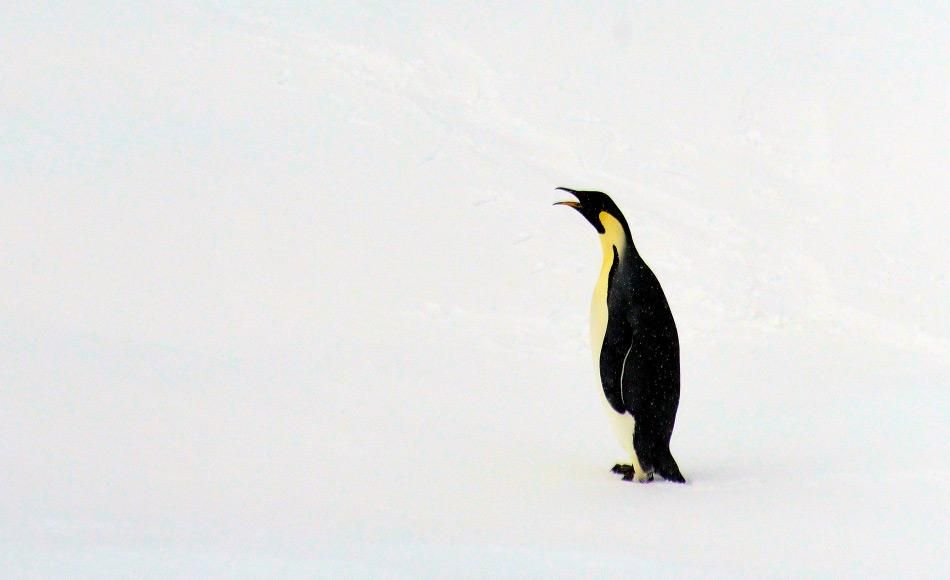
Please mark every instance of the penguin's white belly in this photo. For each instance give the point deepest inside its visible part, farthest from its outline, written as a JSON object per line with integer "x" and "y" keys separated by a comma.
{"x": 622, "y": 425}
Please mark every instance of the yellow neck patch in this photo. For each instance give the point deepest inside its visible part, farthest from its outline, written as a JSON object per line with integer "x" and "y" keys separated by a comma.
{"x": 613, "y": 237}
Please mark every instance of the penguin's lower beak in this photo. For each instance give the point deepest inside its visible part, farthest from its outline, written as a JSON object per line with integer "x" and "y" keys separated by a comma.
{"x": 573, "y": 204}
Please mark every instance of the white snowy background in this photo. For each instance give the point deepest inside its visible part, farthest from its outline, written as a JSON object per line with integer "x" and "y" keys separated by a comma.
{"x": 282, "y": 291}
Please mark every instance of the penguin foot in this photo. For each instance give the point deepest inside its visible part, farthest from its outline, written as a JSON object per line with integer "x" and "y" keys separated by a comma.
{"x": 630, "y": 474}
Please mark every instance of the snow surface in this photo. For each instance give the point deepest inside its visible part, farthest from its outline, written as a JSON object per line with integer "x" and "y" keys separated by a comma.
{"x": 283, "y": 291}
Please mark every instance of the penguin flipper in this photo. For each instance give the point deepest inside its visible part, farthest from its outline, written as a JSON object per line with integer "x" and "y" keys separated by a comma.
{"x": 613, "y": 355}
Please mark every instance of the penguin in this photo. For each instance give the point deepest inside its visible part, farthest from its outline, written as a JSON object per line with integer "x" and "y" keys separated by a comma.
{"x": 634, "y": 343}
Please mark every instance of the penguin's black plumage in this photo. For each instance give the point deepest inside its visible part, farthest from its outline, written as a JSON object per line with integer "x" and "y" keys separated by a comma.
{"x": 635, "y": 344}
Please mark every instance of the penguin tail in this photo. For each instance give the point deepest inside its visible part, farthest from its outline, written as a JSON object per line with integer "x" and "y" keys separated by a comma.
{"x": 666, "y": 467}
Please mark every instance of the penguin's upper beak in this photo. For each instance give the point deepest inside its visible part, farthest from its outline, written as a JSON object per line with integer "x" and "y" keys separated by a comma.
{"x": 573, "y": 204}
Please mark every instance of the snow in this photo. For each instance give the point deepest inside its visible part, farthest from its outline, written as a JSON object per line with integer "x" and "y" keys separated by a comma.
{"x": 283, "y": 292}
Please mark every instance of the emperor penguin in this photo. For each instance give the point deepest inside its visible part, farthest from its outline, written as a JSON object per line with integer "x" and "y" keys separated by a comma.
{"x": 634, "y": 343}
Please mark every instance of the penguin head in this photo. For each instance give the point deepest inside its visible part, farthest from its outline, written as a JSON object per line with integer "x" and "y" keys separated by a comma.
{"x": 591, "y": 204}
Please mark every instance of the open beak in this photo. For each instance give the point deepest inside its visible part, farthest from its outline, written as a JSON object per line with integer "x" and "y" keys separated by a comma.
{"x": 573, "y": 204}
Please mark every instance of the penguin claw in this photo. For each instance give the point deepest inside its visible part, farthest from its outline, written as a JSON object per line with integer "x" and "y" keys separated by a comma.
{"x": 633, "y": 477}
{"x": 630, "y": 474}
